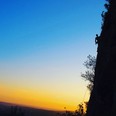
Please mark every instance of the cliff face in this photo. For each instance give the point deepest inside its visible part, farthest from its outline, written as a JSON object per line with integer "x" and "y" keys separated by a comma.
{"x": 103, "y": 97}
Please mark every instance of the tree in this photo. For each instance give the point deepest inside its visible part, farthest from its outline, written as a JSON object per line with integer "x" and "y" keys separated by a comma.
{"x": 79, "y": 112}
{"x": 89, "y": 74}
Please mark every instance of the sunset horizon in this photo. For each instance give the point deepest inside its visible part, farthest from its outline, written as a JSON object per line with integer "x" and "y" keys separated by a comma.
{"x": 42, "y": 50}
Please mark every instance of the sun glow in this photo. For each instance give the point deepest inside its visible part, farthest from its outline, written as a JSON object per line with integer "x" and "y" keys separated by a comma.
{"x": 38, "y": 99}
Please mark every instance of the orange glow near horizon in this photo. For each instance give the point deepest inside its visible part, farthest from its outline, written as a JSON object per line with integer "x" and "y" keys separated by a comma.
{"x": 42, "y": 50}
{"x": 41, "y": 99}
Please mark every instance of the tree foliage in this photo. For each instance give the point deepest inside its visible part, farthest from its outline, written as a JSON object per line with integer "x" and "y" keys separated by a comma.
{"x": 79, "y": 112}
{"x": 89, "y": 74}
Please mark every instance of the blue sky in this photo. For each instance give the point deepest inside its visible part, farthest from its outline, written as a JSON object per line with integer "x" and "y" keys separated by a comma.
{"x": 43, "y": 43}
{"x": 27, "y": 25}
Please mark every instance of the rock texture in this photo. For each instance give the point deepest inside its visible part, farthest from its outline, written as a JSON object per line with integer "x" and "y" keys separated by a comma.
{"x": 103, "y": 97}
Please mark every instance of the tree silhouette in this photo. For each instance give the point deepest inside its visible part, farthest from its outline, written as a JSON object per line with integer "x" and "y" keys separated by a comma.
{"x": 89, "y": 74}
{"x": 79, "y": 112}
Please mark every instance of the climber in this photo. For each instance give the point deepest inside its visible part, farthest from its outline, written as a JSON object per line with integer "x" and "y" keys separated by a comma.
{"x": 97, "y": 39}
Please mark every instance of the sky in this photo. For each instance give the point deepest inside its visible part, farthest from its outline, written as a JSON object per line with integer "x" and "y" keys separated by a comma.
{"x": 43, "y": 44}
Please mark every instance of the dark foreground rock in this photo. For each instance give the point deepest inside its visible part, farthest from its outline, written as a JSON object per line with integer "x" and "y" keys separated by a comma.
{"x": 103, "y": 97}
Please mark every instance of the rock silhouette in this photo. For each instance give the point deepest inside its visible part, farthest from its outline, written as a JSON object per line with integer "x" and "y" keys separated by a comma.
{"x": 103, "y": 97}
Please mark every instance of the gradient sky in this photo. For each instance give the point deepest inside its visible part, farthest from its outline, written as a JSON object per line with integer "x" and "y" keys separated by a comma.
{"x": 43, "y": 44}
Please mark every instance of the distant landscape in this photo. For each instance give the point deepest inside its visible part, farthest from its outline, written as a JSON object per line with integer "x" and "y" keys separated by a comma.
{"x": 6, "y": 109}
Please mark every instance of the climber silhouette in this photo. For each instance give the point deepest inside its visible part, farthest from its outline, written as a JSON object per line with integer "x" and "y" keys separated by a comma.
{"x": 97, "y": 39}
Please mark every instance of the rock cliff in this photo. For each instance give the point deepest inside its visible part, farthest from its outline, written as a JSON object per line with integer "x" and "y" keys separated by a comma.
{"x": 103, "y": 97}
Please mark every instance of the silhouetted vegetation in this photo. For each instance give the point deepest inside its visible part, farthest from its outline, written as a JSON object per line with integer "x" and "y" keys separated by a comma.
{"x": 81, "y": 111}
{"x": 89, "y": 74}
{"x": 104, "y": 14}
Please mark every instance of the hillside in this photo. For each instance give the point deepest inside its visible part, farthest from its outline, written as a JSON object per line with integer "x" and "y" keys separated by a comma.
{"x": 7, "y": 108}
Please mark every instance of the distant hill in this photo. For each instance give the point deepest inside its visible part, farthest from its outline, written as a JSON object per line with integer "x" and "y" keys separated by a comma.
{"x": 7, "y": 108}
